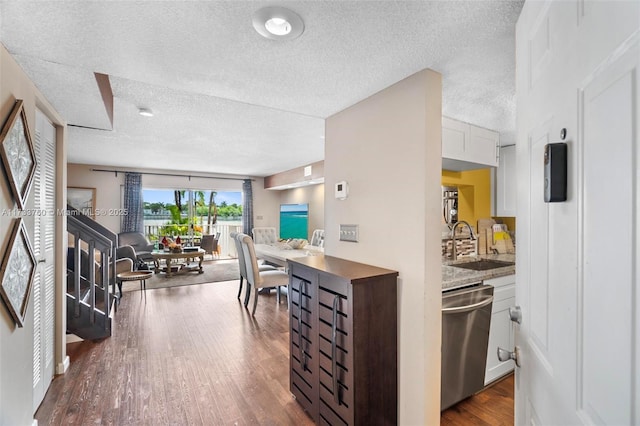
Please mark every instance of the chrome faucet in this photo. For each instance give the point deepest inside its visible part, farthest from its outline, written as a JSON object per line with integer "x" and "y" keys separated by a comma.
{"x": 454, "y": 249}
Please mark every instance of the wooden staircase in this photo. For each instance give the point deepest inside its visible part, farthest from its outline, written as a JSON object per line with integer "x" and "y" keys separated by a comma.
{"x": 90, "y": 271}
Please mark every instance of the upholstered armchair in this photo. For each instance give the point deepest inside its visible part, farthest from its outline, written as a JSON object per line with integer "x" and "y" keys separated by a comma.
{"x": 141, "y": 244}
{"x": 126, "y": 252}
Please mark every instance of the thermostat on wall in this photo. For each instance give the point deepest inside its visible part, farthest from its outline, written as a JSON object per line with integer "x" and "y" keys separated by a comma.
{"x": 342, "y": 190}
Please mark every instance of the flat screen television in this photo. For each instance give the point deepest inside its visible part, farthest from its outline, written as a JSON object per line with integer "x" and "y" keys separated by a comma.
{"x": 294, "y": 221}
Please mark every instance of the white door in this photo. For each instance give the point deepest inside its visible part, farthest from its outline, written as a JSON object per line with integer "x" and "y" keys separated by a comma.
{"x": 43, "y": 247}
{"x": 577, "y": 263}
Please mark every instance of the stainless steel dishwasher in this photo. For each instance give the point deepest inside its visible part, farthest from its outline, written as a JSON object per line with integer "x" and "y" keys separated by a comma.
{"x": 466, "y": 317}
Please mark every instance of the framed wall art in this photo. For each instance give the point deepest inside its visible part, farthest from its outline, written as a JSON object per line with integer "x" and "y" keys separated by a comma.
{"x": 18, "y": 156}
{"x": 17, "y": 271}
{"x": 82, "y": 199}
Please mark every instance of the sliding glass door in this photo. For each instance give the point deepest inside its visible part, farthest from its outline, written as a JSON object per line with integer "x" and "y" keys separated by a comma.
{"x": 191, "y": 213}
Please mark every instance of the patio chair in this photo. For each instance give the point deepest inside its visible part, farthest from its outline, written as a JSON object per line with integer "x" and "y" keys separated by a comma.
{"x": 209, "y": 243}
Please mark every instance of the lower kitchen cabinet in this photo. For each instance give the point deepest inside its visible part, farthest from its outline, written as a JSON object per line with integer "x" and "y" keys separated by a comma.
{"x": 502, "y": 330}
{"x": 343, "y": 341}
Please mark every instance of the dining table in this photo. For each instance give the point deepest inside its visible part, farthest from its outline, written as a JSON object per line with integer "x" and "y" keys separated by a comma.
{"x": 277, "y": 255}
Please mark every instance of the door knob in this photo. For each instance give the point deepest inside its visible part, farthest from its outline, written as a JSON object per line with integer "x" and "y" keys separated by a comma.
{"x": 505, "y": 355}
{"x": 515, "y": 314}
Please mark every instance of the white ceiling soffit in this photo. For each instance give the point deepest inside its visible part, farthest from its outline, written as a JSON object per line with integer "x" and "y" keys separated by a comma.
{"x": 73, "y": 91}
{"x": 189, "y": 62}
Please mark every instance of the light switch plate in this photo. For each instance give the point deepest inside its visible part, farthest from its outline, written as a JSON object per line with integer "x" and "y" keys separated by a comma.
{"x": 349, "y": 233}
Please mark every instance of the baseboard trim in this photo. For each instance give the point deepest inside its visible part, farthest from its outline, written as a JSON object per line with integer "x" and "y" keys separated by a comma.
{"x": 72, "y": 338}
{"x": 63, "y": 367}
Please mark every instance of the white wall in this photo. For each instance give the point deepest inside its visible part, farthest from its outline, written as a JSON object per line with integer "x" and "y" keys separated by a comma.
{"x": 387, "y": 147}
{"x": 16, "y": 344}
{"x": 266, "y": 205}
{"x": 107, "y": 187}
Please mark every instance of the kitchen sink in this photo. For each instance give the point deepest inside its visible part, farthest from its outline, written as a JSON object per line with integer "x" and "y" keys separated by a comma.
{"x": 483, "y": 264}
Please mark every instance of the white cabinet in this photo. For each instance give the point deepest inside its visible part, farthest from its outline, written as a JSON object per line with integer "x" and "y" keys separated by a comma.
{"x": 502, "y": 330}
{"x": 483, "y": 146}
{"x": 455, "y": 136}
{"x": 468, "y": 147}
{"x": 506, "y": 182}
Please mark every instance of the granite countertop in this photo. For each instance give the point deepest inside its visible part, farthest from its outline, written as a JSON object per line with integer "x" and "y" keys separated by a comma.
{"x": 453, "y": 277}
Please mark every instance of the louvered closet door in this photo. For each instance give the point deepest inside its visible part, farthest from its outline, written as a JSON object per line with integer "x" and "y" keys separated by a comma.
{"x": 43, "y": 247}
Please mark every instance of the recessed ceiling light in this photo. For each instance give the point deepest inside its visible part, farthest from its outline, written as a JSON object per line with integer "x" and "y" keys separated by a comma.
{"x": 145, "y": 112}
{"x": 277, "y": 23}
{"x": 278, "y": 26}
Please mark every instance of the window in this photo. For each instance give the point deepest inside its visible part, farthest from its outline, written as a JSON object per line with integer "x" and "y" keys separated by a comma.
{"x": 189, "y": 212}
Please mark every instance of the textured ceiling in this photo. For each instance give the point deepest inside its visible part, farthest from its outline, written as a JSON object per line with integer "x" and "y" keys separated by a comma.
{"x": 227, "y": 100}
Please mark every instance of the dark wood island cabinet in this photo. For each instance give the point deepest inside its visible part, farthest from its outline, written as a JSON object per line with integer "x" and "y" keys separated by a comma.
{"x": 343, "y": 340}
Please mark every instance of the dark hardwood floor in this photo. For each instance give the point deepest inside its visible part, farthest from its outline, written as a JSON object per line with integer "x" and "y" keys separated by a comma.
{"x": 190, "y": 355}
{"x": 193, "y": 355}
{"x": 491, "y": 407}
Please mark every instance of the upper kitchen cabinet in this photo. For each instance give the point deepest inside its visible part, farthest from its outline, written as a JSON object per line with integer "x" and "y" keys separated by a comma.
{"x": 506, "y": 183}
{"x": 468, "y": 147}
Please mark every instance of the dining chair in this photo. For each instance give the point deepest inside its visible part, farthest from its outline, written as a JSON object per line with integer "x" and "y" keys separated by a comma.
{"x": 317, "y": 238}
{"x": 237, "y": 237}
{"x": 264, "y": 235}
{"x": 257, "y": 279}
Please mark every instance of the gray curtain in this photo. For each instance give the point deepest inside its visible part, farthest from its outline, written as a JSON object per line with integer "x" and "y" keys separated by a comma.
{"x": 132, "y": 221}
{"x": 247, "y": 207}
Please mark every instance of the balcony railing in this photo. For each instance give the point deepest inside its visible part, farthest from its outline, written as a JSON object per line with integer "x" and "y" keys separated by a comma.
{"x": 224, "y": 242}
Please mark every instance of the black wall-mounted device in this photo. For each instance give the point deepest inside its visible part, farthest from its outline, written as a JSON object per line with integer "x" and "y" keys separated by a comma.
{"x": 555, "y": 172}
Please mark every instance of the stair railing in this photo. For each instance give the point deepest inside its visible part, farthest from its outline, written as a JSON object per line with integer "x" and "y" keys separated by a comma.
{"x": 91, "y": 223}
{"x": 83, "y": 233}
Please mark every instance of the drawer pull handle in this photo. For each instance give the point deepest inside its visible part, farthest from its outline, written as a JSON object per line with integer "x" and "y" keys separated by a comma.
{"x": 462, "y": 309}
{"x": 334, "y": 344}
